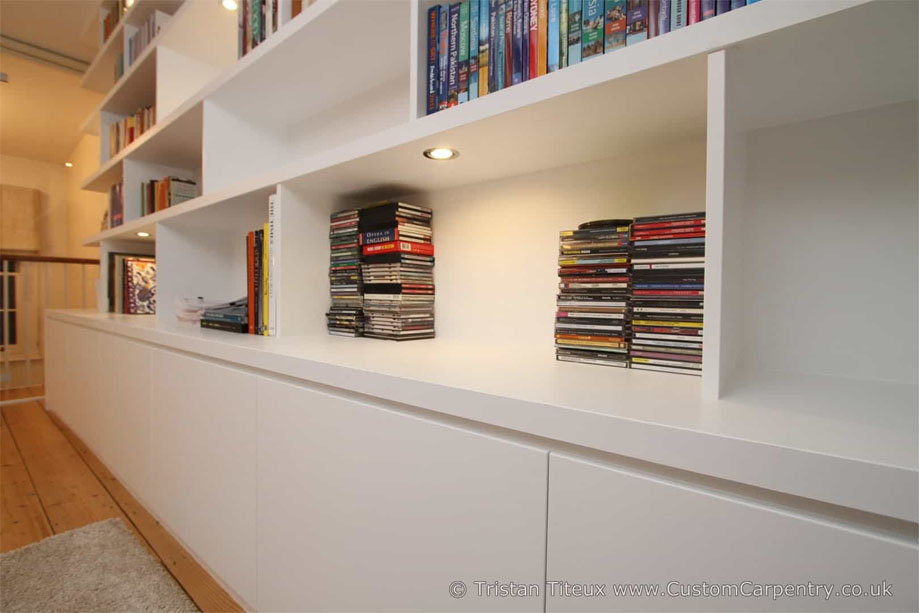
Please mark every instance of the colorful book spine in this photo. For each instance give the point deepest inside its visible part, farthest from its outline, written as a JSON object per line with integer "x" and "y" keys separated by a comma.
{"x": 484, "y": 68}
{"x": 722, "y": 6}
{"x": 499, "y": 37}
{"x": 474, "y": 49}
{"x": 663, "y": 17}
{"x": 542, "y": 51}
{"x": 707, "y": 9}
{"x": 443, "y": 57}
{"x": 533, "y": 41}
{"x": 509, "y": 44}
{"x": 250, "y": 279}
{"x": 399, "y": 247}
{"x": 736, "y": 4}
{"x": 678, "y": 10}
{"x": 462, "y": 89}
{"x": 271, "y": 254}
{"x": 615, "y": 24}
{"x": 493, "y": 7}
{"x": 433, "y": 43}
{"x": 453, "y": 64}
{"x": 636, "y": 29}
{"x": 553, "y": 42}
{"x": 693, "y": 12}
{"x": 563, "y": 33}
{"x": 265, "y": 267}
{"x": 517, "y": 59}
{"x": 525, "y": 41}
{"x": 654, "y": 7}
{"x": 574, "y": 32}
{"x": 592, "y": 33}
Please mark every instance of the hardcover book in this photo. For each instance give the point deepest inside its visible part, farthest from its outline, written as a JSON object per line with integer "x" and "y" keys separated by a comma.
{"x": 494, "y": 8}
{"x": 517, "y": 59}
{"x": 693, "y": 12}
{"x": 722, "y": 6}
{"x": 533, "y": 41}
{"x": 592, "y": 31}
{"x": 707, "y": 9}
{"x": 453, "y": 63}
{"x": 636, "y": 29}
{"x": 443, "y": 57}
{"x": 663, "y": 17}
{"x": 502, "y": 49}
{"x": 542, "y": 28}
{"x": 433, "y": 42}
{"x": 463, "y": 54}
{"x": 563, "y": 34}
{"x": 615, "y": 25}
{"x": 525, "y": 41}
{"x": 509, "y": 44}
{"x": 678, "y": 9}
{"x": 484, "y": 39}
{"x": 736, "y": 4}
{"x": 474, "y": 49}
{"x": 574, "y": 32}
{"x": 552, "y": 45}
{"x": 139, "y": 286}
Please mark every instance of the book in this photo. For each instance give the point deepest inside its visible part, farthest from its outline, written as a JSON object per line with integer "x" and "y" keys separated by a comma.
{"x": 542, "y": 45}
{"x": 433, "y": 42}
{"x": 273, "y": 267}
{"x": 563, "y": 34}
{"x": 553, "y": 36}
{"x": 693, "y": 12}
{"x": 250, "y": 281}
{"x": 484, "y": 46}
{"x": 509, "y": 43}
{"x": 706, "y": 9}
{"x": 116, "y": 205}
{"x": 226, "y": 326}
{"x": 533, "y": 40}
{"x": 525, "y": 40}
{"x": 474, "y": 29}
{"x": 574, "y": 32}
{"x": 400, "y": 246}
{"x": 139, "y": 286}
{"x": 636, "y": 29}
{"x": 678, "y": 9}
{"x": 722, "y": 6}
{"x": 517, "y": 55}
{"x": 453, "y": 63}
{"x": 663, "y": 17}
{"x": 443, "y": 57}
{"x": 592, "y": 32}
{"x": 615, "y": 21}
{"x": 462, "y": 88}
{"x": 502, "y": 49}
{"x": 493, "y": 62}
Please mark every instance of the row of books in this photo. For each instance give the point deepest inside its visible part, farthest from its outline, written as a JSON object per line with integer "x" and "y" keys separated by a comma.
{"x": 476, "y": 47}
{"x": 261, "y": 310}
{"x": 131, "y": 284}
{"x": 116, "y": 205}
{"x": 381, "y": 272}
{"x": 259, "y": 19}
{"x": 139, "y": 40}
{"x": 159, "y": 194}
{"x": 110, "y": 16}
{"x": 230, "y": 316}
{"x": 128, "y": 129}
{"x": 631, "y": 293}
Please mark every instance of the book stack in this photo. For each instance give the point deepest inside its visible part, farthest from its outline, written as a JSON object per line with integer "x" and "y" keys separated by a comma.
{"x": 397, "y": 271}
{"x": 159, "y": 194}
{"x": 668, "y": 282}
{"x": 345, "y": 316}
{"x": 259, "y": 19}
{"x": 591, "y": 324}
{"x": 143, "y": 36}
{"x": 261, "y": 312}
{"x": 230, "y": 317}
{"x": 131, "y": 284}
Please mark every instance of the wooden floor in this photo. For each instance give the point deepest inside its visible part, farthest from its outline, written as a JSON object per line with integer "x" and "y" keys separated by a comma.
{"x": 50, "y": 482}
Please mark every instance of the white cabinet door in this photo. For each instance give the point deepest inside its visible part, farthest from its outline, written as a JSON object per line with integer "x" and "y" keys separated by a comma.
{"x": 57, "y": 370}
{"x": 360, "y": 508}
{"x": 203, "y": 463}
{"x": 608, "y": 526}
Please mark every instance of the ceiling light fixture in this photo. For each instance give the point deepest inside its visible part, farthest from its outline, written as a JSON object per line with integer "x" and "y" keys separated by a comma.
{"x": 143, "y": 234}
{"x": 441, "y": 153}
{"x": 229, "y": 5}
{"x": 68, "y": 164}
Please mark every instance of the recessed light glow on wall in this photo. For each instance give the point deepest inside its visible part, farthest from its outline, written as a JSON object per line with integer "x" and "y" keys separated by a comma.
{"x": 441, "y": 153}
{"x": 229, "y": 5}
{"x": 128, "y": 3}
{"x": 143, "y": 234}
{"x": 68, "y": 164}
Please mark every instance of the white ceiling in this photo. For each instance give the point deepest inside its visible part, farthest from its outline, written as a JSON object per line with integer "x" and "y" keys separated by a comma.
{"x": 68, "y": 27}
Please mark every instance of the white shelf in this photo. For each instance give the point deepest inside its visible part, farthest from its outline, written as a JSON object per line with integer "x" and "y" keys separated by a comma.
{"x": 780, "y": 434}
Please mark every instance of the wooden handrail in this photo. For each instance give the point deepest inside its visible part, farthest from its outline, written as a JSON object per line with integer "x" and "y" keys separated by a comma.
{"x": 24, "y": 257}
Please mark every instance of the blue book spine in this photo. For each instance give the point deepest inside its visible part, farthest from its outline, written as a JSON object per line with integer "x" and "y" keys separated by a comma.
{"x": 663, "y": 17}
{"x": 722, "y": 6}
{"x": 474, "y": 49}
{"x": 525, "y": 42}
{"x": 484, "y": 24}
{"x": 636, "y": 29}
{"x": 574, "y": 32}
{"x": 553, "y": 37}
{"x": 752, "y": 1}
{"x": 453, "y": 64}
{"x": 433, "y": 45}
{"x": 678, "y": 10}
{"x": 443, "y": 56}
{"x": 708, "y": 9}
{"x": 517, "y": 58}
{"x": 736, "y": 4}
{"x": 493, "y": 45}
{"x": 499, "y": 61}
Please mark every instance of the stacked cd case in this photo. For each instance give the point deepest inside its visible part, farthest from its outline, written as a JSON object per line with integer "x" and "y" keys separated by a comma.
{"x": 591, "y": 322}
{"x": 668, "y": 283}
{"x": 398, "y": 271}
{"x": 345, "y": 316}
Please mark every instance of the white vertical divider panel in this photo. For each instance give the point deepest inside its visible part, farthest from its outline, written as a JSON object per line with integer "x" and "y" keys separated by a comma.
{"x": 725, "y": 185}
{"x": 106, "y": 119}
{"x": 302, "y": 287}
{"x": 116, "y": 246}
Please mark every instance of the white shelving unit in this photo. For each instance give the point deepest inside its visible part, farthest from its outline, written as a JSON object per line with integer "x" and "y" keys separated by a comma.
{"x": 800, "y": 145}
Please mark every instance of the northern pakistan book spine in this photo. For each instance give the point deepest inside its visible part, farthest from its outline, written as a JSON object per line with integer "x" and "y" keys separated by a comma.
{"x": 707, "y": 9}
{"x": 592, "y": 34}
{"x": 499, "y": 37}
{"x": 484, "y": 26}
{"x": 250, "y": 279}
{"x": 517, "y": 34}
{"x": 509, "y": 44}
{"x": 433, "y": 41}
{"x": 453, "y": 65}
{"x": 563, "y": 34}
{"x": 636, "y": 29}
{"x": 693, "y": 12}
{"x": 493, "y": 8}
{"x": 533, "y": 41}
{"x": 677, "y": 14}
{"x": 574, "y": 32}
{"x": 273, "y": 266}
{"x": 443, "y": 56}
{"x": 474, "y": 49}
{"x": 525, "y": 40}
{"x": 614, "y": 36}
{"x": 552, "y": 36}
{"x": 542, "y": 48}
{"x": 462, "y": 90}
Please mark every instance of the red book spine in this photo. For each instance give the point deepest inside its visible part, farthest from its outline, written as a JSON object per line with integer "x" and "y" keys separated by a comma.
{"x": 668, "y": 224}
{"x": 534, "y": 39}
{"x": 250, "y": 279}
{"x": 651, "y": 237}
{"x": 509, "y": 46}
{"x": 399, "y": 246}
{"x": 683, "y": 230}
{"x": 695, "y": 12}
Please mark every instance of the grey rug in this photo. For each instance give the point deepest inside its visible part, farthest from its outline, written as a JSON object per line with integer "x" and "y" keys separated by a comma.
{"x": 100, "y": 567}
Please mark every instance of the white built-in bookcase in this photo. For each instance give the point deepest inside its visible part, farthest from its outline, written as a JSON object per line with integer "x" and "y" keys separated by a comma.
{"x": 793, "y": 124}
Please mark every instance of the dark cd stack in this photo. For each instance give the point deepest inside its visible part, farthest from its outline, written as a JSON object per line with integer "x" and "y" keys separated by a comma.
{"x": 668, "y": 283}
{"x": 591, "y": 322}
{"x": 345, "y": 317}
{"x": 398, "y": 271}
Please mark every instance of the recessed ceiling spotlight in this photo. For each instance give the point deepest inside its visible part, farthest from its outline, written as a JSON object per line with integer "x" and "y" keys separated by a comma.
{"x": 441, "y": 153}
{"x": 229, "y": 5}
{"x": 68, "y": 164}
{"x": 143, "y": 234}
